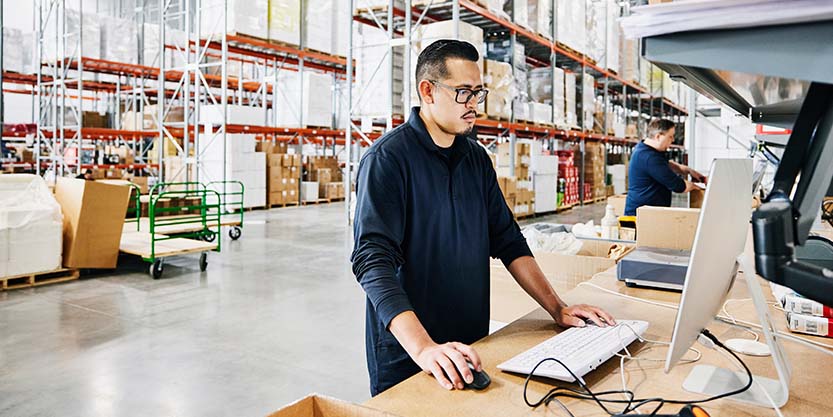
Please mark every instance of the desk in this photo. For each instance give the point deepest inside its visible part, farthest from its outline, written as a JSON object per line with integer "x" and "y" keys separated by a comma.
{"x": 421, "y": 396}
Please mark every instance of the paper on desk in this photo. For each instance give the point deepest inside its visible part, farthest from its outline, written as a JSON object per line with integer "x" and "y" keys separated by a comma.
{"x": 684, "y": 16}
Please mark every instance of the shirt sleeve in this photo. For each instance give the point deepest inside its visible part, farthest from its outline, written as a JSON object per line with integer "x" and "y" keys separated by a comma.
{"x": 378, "y": 230}
{"x": 506, "y": 242}
{"x": 660, "y": 171}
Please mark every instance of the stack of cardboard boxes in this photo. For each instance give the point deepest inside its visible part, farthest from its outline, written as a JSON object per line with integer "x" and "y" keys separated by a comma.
{"x": 594, "y": 170}
{"x": 283, "y": 172}
{"x": 568, "y": 179}
{"x": 326, "y": 171}
{"x": 517, "y": 189}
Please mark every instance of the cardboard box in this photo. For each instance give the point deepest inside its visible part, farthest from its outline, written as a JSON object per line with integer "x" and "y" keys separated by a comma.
{"x": 316, "y": 405}
{"x": 93, "y": 220}
{"x": 594, "y": 257}
{"x": 695, "y": 199}
{"x": 322, "y": 175}
{"x": 618, "y": 202}
{"x": 666, "y": 227}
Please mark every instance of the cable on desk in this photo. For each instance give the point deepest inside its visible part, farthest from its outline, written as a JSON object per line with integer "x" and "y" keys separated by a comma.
{"x": 631, "y": 403}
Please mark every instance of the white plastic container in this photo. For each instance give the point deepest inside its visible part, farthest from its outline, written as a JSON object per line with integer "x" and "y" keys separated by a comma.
{"x": 610, "y": 224}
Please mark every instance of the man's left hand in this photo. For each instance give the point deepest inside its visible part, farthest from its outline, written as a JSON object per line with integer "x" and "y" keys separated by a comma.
{"x": 575, "y": 316}
{"x": 697, "y": 177}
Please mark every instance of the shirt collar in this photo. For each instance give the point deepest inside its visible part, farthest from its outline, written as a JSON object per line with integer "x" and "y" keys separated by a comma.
{"x": 460, "y": 146}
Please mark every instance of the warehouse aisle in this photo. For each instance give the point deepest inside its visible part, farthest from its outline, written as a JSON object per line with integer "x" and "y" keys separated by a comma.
{"x": 277, "y": 315}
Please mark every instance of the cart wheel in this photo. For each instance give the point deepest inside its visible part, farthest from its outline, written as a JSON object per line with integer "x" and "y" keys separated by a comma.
{"x": 235, "y": 232}
{"x": 203, "y": 261}
{"x": 209, "y": 236}
{"x": 156, "y": 269}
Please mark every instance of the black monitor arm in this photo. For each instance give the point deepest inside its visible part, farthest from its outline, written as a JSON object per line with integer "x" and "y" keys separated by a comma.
{"x": 782, "y": 223}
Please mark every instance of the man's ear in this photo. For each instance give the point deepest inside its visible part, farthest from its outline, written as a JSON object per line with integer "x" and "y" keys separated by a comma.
{"x": 426, "y": 91}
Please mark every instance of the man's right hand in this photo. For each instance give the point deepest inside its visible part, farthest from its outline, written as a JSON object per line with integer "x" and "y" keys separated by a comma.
{"x": 447, "y": 362}
{"x": 690, "y": 186}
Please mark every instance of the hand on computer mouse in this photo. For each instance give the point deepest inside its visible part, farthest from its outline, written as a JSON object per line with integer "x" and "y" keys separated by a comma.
{"x": 575, "y": 316}
{"x": 481, "y": 379}
{"x": 450, "y": 364}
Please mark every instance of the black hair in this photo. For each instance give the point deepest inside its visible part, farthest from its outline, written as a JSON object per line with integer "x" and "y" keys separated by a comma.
{"x": 659, "y": 126}
{"x": 432, "y": 59}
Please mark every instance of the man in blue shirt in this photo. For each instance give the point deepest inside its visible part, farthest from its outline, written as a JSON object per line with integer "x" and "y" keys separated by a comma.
{"x": 429, "y": 214}
{"x": 651, "y": 176}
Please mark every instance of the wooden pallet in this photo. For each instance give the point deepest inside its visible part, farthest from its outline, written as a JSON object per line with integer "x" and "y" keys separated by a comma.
{"x": 572, "y": 51}
{"x": 319, "y": 201}
{"x": 564, "y": 208}
{"x": 266, "y": 207}
{"x": 291, "y": 204}
{"x": 38, "y": 279}
{"x": 600, "y": 199}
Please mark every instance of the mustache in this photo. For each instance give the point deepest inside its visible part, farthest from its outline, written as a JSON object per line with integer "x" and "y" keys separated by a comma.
{"x": 471, "y": 112}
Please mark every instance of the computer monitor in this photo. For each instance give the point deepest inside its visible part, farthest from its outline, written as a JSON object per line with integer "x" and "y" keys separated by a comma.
{"x": 720, "y": 242}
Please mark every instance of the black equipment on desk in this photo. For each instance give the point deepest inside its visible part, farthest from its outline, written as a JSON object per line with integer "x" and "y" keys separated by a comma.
{"x": 782, "y": 223}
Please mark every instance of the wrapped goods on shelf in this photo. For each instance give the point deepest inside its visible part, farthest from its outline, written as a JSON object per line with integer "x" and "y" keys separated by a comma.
{"x": 317, "y": 99}
{"x": 518, "y": 10}
{"x": 309, "y": 191}
{"x": 498, "y": 79}
{"x": 91, "y": 42}
{"x": 521, "y": 109}
{"x": 645, "y": 73}
{"x": 150, "y": 46}
{"x": 31, "y": 226}
{"x": 319, "y": 19}
{"x": 618, "y": 174}
{"x": 372, "y": 98}
{"x": 603, "y": 33}
{"x": 571, "y": 28}
{"x": 236, "y": 114}
{"x": 284, "y": 21}
{"x": 540, "y": 113}
{"x": 540, "y": 85}
{"x": 242, "y": 17}
{"x": 628, "y": 58}
{"x": 570, "y": 99}
{"x": 119, "y": 40}
{"x": 341, "y": 29}
{"x": 558, "y": 97}
{"x": 587, "y": 104}
{"x": 540, "y": 16}
{"x": 13, "y": 54}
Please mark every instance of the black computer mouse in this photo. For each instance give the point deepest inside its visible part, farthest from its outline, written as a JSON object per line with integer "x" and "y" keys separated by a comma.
{"x": 480, "y": 381}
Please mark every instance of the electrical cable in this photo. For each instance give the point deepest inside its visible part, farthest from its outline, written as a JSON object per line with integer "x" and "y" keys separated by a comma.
{"x": 732, "y": 318}
{"x": 588, "y": 394}
{"x": 761, "y": 387}
{"x": 819, "y": 346}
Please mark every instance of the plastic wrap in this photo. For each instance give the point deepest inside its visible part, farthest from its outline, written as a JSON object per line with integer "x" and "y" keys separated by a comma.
{"x": 31, "y": 226}
{"x": 91, "y": 43}
{"x": 498, "y": 79}
{"x": 318, "y": 25}
{"x": 540, "y": 85}
{"x": 284, "y": 19}
{"x": 12, "y": 52}
{"x": 318, "y": 99}
{"x": 540, "y": 16}
{"x": 545, "y": 238}
{"x": 372, "y": 61}
{"x": 571, "y": 29}
{"x": 119, "y": 40}
{"x": 570, "y": 99}
{"x": 558, "y": 97}
{"x": 249, "y": 18}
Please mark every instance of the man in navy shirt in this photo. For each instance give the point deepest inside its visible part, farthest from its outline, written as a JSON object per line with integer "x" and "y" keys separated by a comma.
{"x": 651, "y": 176}
{"x": 429, "y": 214}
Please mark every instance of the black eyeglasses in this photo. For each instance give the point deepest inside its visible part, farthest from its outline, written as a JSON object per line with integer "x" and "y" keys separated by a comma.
{"x": 464, "y": 95}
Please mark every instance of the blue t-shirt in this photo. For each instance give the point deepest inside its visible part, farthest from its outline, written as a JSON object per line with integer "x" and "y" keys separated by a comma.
{"x": 650, "y": 180}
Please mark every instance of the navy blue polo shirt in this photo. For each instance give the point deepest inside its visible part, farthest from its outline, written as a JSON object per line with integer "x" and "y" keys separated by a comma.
{"x": 650, "y": 180}
{"x": 425, "y": 227}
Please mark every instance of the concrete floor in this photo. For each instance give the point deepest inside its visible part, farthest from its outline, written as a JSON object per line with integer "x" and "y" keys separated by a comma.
{"x": 277, "y": 315}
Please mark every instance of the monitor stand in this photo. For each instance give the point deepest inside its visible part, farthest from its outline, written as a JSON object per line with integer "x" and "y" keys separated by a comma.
{"x": 711, "y": 380}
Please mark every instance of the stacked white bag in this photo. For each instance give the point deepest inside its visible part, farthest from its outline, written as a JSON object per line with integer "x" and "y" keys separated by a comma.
{"x": 31, "y": 226}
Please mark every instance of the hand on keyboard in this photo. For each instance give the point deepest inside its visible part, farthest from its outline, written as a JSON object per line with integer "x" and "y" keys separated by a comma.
{"x": 575, "y": 315}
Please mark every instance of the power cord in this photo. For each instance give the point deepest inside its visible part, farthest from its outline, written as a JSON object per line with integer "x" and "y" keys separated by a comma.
{"x": 631, "y": 402}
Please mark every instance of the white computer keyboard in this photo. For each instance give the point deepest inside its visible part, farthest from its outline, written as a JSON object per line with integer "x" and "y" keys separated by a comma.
{"x": 582, "y": 349}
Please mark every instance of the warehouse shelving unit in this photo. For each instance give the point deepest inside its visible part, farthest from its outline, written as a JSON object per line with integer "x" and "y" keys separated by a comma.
{"x": 399, "y": 24}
